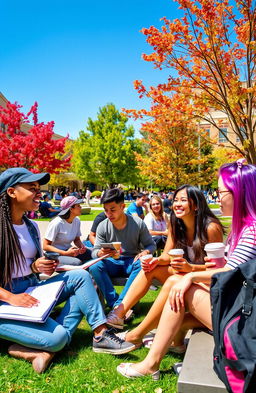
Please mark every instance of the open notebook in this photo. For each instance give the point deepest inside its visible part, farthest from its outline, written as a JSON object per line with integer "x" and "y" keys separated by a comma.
{"x": 47, "y": 294}
{"x": 63, "y": 268}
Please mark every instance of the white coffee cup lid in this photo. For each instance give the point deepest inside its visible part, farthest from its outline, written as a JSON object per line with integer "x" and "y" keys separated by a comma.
{"x": 176, "y": 251}
{"x": 145, "y": 257}
{"x": 214, "y": 246}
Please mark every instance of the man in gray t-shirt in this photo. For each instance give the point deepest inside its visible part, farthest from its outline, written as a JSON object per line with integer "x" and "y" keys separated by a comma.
{"x": 132, "y": 233}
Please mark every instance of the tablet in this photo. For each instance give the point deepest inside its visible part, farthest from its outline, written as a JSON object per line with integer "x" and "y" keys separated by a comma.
{"x": 107, "y": 245}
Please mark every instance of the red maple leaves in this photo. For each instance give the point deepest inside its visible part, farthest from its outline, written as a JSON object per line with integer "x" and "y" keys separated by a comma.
{"x": 32, "y": 147}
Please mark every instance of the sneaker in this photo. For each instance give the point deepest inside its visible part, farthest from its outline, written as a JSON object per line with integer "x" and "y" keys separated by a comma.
{"x": 122, "y": 336}
{"x": 114, "y": 320}
{"x": 177, "y": 368}
{"x": 179, "y": 349}
{"x": 110, "y": 343}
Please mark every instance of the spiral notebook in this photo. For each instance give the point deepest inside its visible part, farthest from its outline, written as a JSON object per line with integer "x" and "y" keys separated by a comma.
{"x": 47, "y": 294}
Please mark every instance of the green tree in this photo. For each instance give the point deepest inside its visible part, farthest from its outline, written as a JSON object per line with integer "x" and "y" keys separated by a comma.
{"x": 105, "y": 154}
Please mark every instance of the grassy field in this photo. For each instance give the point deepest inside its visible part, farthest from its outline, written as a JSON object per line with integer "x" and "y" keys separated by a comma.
{"x": 84, "y": 217}
{"x": 79, "y": 370}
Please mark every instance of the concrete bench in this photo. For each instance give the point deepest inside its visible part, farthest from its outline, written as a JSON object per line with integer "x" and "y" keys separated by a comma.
{"x": 197, "y": 374}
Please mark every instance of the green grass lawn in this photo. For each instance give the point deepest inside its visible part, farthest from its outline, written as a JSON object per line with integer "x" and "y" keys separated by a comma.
{"x": 84, "y": 217}
{"x": 77, "y": 369}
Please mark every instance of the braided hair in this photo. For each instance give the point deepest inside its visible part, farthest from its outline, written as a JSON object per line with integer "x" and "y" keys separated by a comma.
{"x": 11, "y": 255}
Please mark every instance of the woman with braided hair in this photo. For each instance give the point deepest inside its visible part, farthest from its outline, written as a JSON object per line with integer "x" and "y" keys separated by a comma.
{"x": 21, "y": 261}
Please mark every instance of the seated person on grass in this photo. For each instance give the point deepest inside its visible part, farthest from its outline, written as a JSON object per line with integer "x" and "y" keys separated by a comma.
{"x": 64, "y": 230}
{"x": 22, "y": 261}
{"x": 92, "y": 235}
{"x": 136, "y": 208}
{"x": 157, "y": 222}
{"x": 46, "y": 208}
{"x": 132, "y": 233}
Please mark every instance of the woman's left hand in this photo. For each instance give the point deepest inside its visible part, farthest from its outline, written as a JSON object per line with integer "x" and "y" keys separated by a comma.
{"x": 181, "y": 265}
{"x": 176, "y": 296}
{"x": 148, "y": 266}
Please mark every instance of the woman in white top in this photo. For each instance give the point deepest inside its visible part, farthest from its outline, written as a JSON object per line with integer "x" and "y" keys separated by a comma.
{"x": 237, "y": 188}
{"x": 157, "y": 222}
{"x": 64, "y": 230}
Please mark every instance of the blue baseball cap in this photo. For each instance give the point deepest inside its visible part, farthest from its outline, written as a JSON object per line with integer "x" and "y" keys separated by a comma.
{"x": 13, "y": 176}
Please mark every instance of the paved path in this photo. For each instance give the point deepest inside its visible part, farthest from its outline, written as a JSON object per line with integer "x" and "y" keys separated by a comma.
{"x": 85, "y": 228}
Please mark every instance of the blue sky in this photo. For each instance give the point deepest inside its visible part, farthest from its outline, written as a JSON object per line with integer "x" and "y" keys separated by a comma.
{"x": 73, "y": 57}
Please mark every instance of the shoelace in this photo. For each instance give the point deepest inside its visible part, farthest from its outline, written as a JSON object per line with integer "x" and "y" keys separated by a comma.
{"x": 112, "y": 336}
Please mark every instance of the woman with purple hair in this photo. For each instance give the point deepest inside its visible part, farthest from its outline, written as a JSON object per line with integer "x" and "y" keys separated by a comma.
{"x": 236, "y": 191}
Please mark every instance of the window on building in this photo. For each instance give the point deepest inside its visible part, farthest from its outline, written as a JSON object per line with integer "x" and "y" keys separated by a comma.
{"x": 2, "y": 126}
{"x": 243, "y": 134}
{"x": 207, "y": 131}
{"x": 223, "y": 135}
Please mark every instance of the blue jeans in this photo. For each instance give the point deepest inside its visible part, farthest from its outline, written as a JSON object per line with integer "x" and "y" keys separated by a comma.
{"x": 81, "y": 300}
{"x": 103, "y": 270}
{"x": 76, "y": 261}
{"x": 160, "y": 241}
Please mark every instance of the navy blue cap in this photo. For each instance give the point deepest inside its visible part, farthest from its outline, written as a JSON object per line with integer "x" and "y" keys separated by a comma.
{"x": 13, "y": 176}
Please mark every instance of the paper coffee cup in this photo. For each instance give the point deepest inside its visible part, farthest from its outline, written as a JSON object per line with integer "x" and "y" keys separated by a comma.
{"x": 146, "y": 258}
{"x": 216, "y": 251}
{"x": 176, "y": 252}
{"x": 117, "y": 246}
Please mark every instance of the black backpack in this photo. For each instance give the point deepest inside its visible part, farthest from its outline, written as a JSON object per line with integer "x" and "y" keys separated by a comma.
{"x": 234, "y": 327}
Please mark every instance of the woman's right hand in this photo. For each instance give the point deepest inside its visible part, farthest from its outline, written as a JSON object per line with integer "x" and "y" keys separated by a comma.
{"x": 22, "y": 300}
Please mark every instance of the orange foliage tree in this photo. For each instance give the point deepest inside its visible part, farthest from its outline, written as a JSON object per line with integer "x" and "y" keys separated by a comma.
{"x": 211, "y": 51}
{"x": 174, "y": 153}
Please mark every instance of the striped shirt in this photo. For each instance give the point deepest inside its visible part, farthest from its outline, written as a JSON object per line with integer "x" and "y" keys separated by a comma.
{"x": 245, "y": 249}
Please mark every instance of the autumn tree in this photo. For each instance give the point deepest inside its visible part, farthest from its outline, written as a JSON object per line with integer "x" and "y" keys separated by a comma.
{"x": 105, "y": 154}
{"x": 175, "y": 155}
{"x": 210, "y": 52}
{"x": 35, "y": 148}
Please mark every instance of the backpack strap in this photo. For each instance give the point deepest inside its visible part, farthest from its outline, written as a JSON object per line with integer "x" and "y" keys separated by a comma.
{"x": 249, "y": 286}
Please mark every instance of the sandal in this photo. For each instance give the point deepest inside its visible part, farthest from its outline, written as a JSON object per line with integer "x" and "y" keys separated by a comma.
{"x": 128, "y": 371}
{"x": 179, "y": 349}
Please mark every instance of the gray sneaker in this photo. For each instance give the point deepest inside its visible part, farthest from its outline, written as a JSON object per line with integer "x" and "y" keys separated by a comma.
{"x": 110, "y": 343}
{"x": 114, "y": 320}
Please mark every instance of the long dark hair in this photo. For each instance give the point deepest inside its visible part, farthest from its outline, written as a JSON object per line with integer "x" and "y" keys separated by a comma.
{"x": 204, "y": 216}
{"x": 11, "y": 255}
